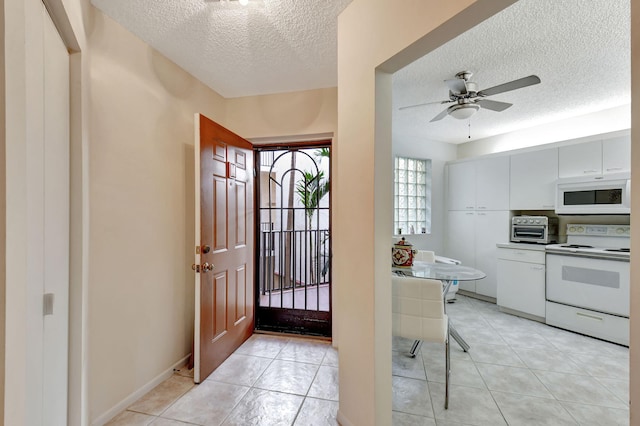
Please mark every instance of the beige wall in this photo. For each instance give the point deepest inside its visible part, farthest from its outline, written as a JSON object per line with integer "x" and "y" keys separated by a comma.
{"x": 142, "y": 201}
{"x": 309, "y": 112}
{"x": 3, "y": 216}
{"x": 141, "y": 178}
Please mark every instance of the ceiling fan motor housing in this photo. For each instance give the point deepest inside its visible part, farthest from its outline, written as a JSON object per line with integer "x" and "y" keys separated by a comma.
{"x": 463, "y": 110}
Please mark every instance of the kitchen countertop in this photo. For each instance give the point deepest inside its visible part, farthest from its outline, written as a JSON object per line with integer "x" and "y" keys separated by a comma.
{"x": 522, "y": 246}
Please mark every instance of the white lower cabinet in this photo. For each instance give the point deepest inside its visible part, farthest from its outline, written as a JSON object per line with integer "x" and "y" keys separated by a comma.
{"x": 521, "y": 281}
{"x": 472, "y": 239}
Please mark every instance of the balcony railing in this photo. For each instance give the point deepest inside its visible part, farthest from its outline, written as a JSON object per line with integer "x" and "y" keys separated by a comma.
{"x": 292, "y": 259}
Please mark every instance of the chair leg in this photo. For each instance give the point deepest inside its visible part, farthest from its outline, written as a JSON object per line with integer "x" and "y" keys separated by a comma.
{"x": 447, "y": 355}
{"x": 414, "y": 348}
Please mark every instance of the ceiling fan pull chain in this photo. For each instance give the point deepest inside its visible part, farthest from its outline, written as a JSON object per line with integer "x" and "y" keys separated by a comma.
{"x": 469, "y": 128}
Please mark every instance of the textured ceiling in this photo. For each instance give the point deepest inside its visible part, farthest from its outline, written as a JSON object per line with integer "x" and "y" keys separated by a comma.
{"x": 269, "y": 46}
{"x": 580, "y": 49}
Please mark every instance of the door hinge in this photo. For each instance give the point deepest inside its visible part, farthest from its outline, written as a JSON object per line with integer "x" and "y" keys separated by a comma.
{"x": 197, "y": 249}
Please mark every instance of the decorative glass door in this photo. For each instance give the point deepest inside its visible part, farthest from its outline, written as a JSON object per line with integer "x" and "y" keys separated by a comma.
{"x": 294, "y": 240}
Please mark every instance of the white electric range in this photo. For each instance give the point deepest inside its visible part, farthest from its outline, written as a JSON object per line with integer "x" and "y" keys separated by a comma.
{"x": 587, "y": 282}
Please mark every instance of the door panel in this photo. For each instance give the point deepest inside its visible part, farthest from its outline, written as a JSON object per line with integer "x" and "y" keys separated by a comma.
{"x": 219, "y": 304}
{"x": 241, "y": 295}
{"x": 220, "y": 219}
{"x": 224, "y": 283}
{"x": 241, "y": 209}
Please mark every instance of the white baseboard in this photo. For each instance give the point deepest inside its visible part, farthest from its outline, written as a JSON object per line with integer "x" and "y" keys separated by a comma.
{"x": 133, "y": 397}
{"x": 342, "y": 420}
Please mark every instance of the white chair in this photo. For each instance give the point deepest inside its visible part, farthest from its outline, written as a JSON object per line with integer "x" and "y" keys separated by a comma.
{"x": 425, "y": 256}
{"x": 429, "y": 256}
{"x": 418, "y": 313}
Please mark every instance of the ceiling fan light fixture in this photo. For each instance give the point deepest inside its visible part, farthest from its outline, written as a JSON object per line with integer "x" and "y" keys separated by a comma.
{"x": 463, "y": 111}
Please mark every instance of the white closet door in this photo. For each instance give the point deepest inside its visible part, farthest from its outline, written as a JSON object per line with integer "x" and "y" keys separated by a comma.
{"x": 56, "y": 224}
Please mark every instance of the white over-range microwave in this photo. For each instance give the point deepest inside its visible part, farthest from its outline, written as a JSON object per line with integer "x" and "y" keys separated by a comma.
{"x": 609, "y": 194}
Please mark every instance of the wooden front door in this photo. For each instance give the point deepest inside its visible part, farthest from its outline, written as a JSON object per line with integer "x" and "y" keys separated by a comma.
{"x": 224, "y": 239}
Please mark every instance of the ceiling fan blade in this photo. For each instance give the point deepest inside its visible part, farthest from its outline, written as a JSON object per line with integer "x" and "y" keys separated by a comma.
{"x": 424, "y": 103}
{"x": 457, "y": 85}
{"x": 440, "y": 116}
{"x": 493, "y": 105}
{"x": 512, "y": 85}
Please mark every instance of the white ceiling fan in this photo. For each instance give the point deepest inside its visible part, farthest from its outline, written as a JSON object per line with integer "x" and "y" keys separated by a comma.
{"x": 468, "y": 100}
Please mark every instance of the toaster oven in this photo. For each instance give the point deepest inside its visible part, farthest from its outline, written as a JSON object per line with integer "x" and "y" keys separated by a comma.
{"x": 534, "y": 229}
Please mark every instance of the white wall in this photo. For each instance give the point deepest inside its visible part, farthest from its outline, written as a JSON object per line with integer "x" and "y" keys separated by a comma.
{"x": 439, "y": 153}
{"x": 610, "y": 120}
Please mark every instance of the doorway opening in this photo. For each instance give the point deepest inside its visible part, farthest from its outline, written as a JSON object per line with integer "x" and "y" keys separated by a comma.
{"x": 293, "y": 282}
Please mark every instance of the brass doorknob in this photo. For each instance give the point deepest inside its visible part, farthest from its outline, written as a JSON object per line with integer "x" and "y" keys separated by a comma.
{"x": 206, "y": 266}
{"x": 195, "y": 267}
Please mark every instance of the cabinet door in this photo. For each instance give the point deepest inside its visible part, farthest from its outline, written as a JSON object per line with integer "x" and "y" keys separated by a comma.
{"x": 533, "y": 180}
{"x": 491, "y": 227}
{"x": 492, "y": 184}
{"x": 616, "y": 155}
{"x": 582, "y": 159}
{"x": 521, "y": 287}
{"x": 462, "y": 186}
{"x": 460, "y": 241}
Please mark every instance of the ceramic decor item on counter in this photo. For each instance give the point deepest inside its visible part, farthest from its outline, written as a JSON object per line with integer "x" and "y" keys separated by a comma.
{"x": 402, "y": 254}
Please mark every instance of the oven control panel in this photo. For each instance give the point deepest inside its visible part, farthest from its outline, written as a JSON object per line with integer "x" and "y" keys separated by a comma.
{"x": 599, "y": 230}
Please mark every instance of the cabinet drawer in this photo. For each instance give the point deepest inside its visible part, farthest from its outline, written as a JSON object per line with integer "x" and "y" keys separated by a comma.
{"x": 530, "y": 256}
{"x": 596, "y": 324}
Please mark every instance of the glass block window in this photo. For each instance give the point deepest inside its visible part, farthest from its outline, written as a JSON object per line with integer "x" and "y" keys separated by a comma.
{"x": 412, "y": 196}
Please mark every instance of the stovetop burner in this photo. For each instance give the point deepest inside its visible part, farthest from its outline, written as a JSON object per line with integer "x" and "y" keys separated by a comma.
{"x": 575, "y": 246}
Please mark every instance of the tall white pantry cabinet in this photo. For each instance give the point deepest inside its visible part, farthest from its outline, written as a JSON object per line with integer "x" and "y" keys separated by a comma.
{"x": 478, "y": 217}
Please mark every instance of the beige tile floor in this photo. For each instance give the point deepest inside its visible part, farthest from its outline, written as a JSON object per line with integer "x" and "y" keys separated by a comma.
{"x": 517, "y": 372}
{"x": 269, "y": 380}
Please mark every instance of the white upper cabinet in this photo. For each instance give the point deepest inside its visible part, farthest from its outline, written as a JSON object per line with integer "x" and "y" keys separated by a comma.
{"x": 462, "y": 186}
{"x": 582, "y": 159}
{"x": 481, "y": 184}
{"x": 533, "y": 180}
{"x": 492, "y": 183}
{"x": 595, "y": 158}
{"x": 616, "y": 155}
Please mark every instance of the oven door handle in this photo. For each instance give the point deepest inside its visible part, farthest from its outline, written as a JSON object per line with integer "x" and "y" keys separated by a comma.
{"x": 529, "y": 234}
{"x": 593, "y": 317}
